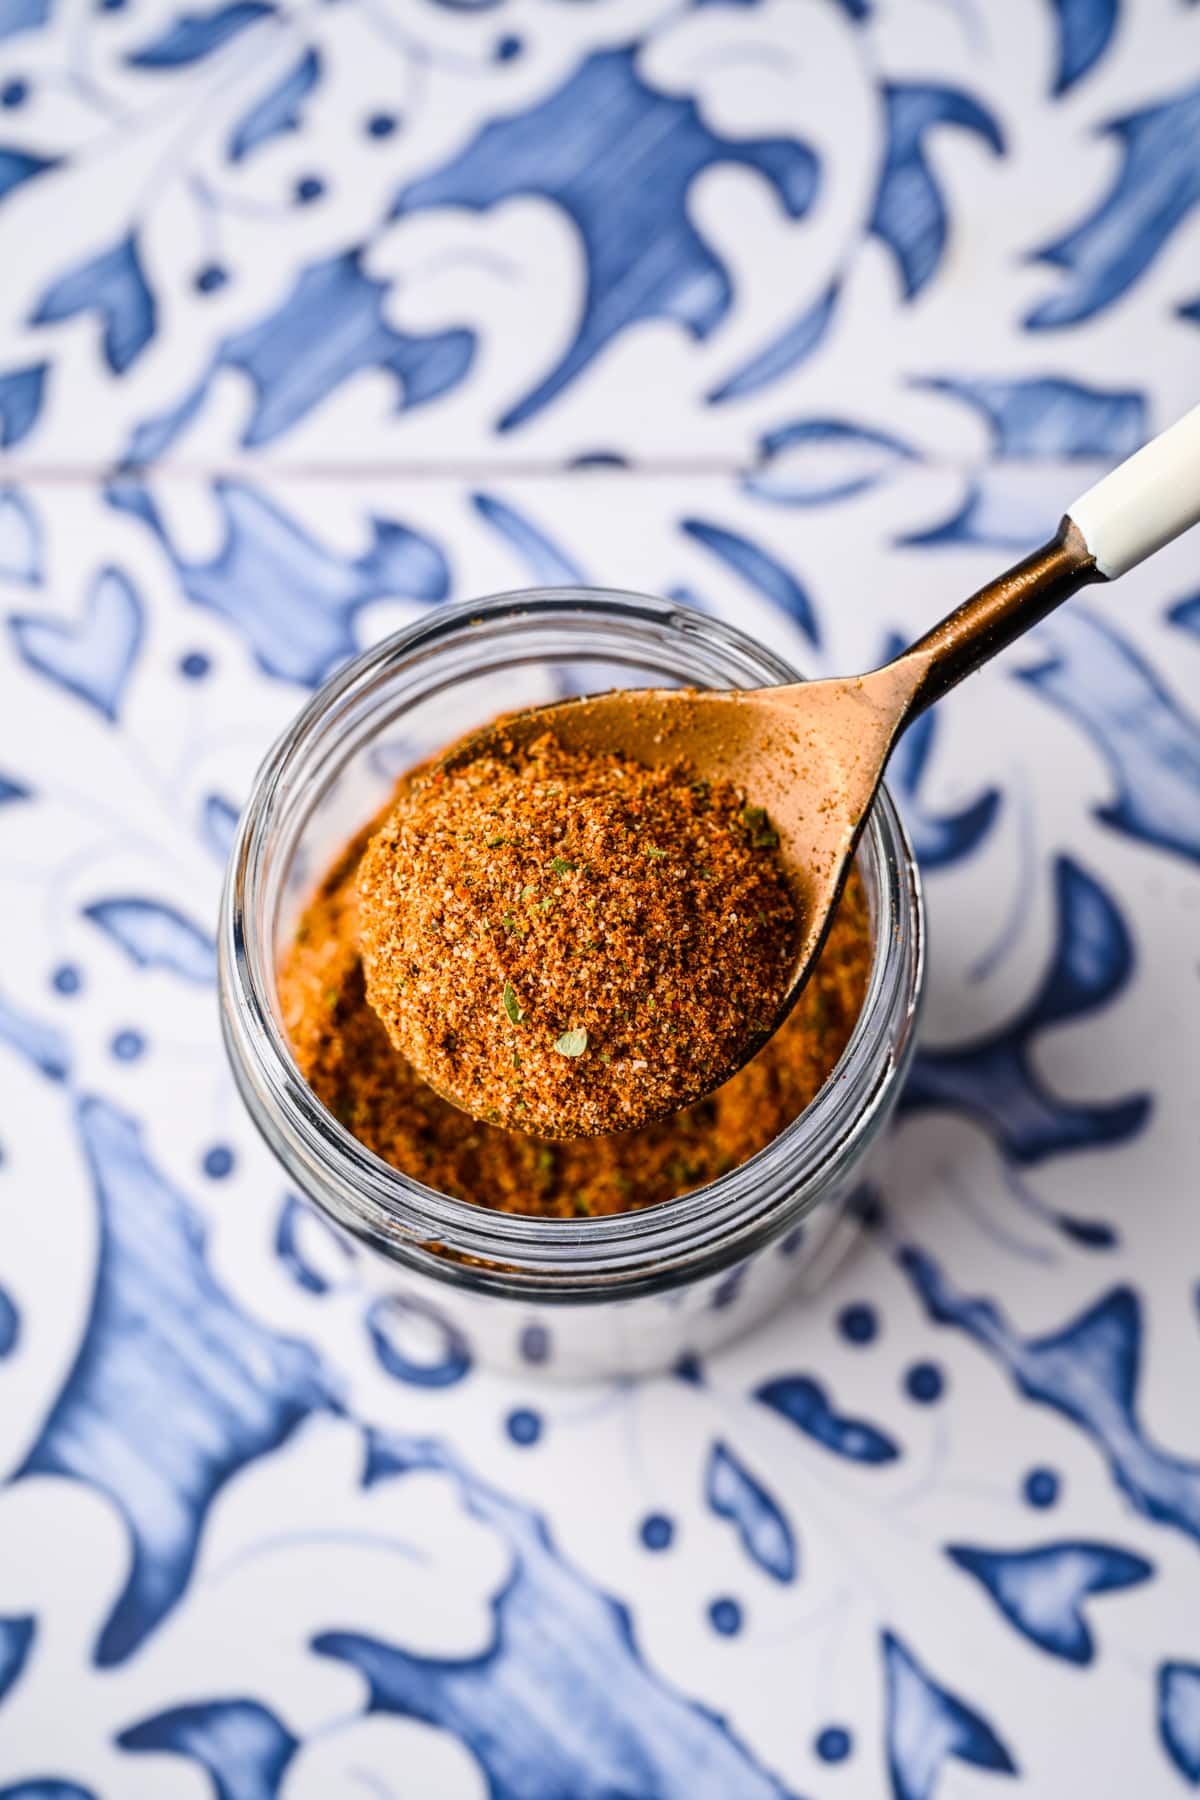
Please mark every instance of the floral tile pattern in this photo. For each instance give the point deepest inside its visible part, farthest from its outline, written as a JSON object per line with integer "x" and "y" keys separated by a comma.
{"x": 313, "y": 318}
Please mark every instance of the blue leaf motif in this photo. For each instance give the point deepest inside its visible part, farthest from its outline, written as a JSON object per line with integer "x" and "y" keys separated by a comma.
{"x": 1051, "y": 418}
{"x": 293, "y": 600}
{"x": 95, "y": 658}
{"x": 804, "y": 1403}
{"x": 763, "y": 1531}
{"x": 21, "y": 394}
{"x": 909, "y": 215}
{"x": 163, "y": 1342}
{"x": 995, "y": 1079}
{"x": 16, "y": 1640}
{"x": 10, "y": 1331}
{"x": 13, "y": 790}
{"x": 47, "y": 1787}
{"x": 1156, "y": 188}
{"x": 308, "y": 1249}
{"x": 22, "y": 15}
{"x": 20, "y": 540}
{"x": 415, "y": 1343}
{"x": 1179, "y": 1716}
{"x": 192, "y": 36}
{"x": 1150, "y": 744}
{"x": 279, "y": 110}
{"x": 795, "y": 343}
{"x": 327, "y": 329}
{"x": 1088, "y": 1372}
{"x": 41, "y": 1045}
{"x": 114, "y": 285}
{"x": 927, "y": 1725}
{"x": 548, "y": 565}
{"x": 607, "y": 145}
{"x": 1085, "y": 28}
{"x": 218, "y": 823}
{"x": 19, "y": 166}
{"x": 243, "y": 1748}
{"x": 758, "y": 569}
{"x": 814, "y": 461}
{"x": 1041, "y": 1591}
{"x": 156, "y": 936}
{"x": 560, "y": 1702}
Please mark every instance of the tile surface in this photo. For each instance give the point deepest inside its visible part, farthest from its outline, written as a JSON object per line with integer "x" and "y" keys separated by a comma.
{"x": 813, "y": 313}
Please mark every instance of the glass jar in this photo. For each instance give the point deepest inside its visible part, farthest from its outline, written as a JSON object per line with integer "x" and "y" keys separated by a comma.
{"x": 586, "y": 1297}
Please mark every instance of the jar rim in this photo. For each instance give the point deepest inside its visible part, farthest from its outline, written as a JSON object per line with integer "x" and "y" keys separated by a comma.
{"x": 459, "y": 1240}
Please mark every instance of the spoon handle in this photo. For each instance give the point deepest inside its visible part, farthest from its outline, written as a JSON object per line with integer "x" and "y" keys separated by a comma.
{"x": 1146, "y": 501}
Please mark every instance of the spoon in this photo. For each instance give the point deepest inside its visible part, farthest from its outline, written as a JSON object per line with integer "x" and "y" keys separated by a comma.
{"x": 814, "y": 753}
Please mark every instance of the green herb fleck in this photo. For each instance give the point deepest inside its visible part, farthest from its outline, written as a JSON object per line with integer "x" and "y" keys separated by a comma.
{"x": 658, "y": 855}
{"x": 545, "y": 1159}
{"x": 516, "y": 1059}
{"x": 512, "y": 1005}
{"x": 527, "y": 891}
{"x": 546, "y": 904}
{"x": 494, "y": 843}
{"x": 572, "y": 1043}
{"x": 763, "y": 835}
{"x": 605, "y": 1057}
{"x": 560, "y": 866}
{"x": 583, "y": 1207}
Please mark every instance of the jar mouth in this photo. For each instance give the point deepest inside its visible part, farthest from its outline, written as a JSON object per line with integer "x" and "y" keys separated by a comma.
{"x": 458, "y": 1240}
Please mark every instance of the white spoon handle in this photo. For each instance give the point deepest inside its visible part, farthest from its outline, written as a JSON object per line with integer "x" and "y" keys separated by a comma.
{"x": 1146, "y": 501}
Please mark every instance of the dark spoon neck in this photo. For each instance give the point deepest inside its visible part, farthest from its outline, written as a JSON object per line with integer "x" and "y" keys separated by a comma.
{"x": 995, "y": 616}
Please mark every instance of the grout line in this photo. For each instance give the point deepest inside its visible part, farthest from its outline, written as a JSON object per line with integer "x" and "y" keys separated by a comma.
{"x": 17, "y": 470}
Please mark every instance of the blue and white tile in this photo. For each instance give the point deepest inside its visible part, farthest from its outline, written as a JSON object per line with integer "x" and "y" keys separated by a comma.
{"x": 533, "y": 232}
{"x": 944, "y": 1516}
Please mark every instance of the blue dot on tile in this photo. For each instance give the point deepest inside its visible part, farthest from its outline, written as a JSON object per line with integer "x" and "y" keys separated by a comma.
{"x": 657, "y": 1531}
{"x": 858, "y": 1324}
{"x": 14, "y": 93}
{"x": 66, "y": 979}
{"x": 725, "y": 1616}
{"x": 195, "y": 665}
{"x": 833, "y": 1745}
{"x": 128, "y": 1045}
{"x": 110, "y": 5}
{"x": 1041, "y": 1487}
{"x": 925, "y": 1383}
{"x": 381, "y": 125}
{"x": 308, "y": 188}
{"x": 508, "y": 47}
{"x": 524, "y": 1426}
{"x": 211, "y": 277}
{"x": 217, "y": 1162}
{"x": 534, "y": 1344}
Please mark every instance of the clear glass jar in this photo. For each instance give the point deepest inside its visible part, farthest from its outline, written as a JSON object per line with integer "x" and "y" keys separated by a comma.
{"x": 580, "y": 1298}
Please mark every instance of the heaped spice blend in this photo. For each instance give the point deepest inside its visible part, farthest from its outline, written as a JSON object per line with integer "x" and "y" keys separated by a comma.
{"x": 345, "y": 1055}
{"x": 569, "y": 943}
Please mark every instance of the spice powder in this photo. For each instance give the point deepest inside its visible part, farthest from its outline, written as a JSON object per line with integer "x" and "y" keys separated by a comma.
{"x": 569, "y": 943}
{"x": 345, "y": 1054}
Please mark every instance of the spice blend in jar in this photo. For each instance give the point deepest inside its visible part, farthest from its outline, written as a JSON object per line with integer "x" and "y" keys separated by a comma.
{"x": 568, "y": 943}
{"x": 345, "y": 1054}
